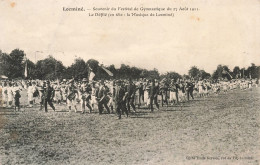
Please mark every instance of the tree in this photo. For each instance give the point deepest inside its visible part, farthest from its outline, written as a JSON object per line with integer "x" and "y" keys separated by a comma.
{"x": 135, "y": 72}
{"x": 150, "y": 74}
{"x": 5, "y": 61}
{"x": 113, "y": 70}
{"x": 171, "y": 76}
{"x": 49, "y": 68}
{"x": 79, "y": 69}
{"x": 185, "y": 77}
{"x": 31, "y": 69}
{"x": 236, "y": 72}
{"x": 194, "y": 72}
{"x": 154, "y": 74}
{"x": 243, "y": 72}
{"x": 204, "y": 74}
{"x": 218, "y": 72}
{"x": 101, "y": 74}
{"x": 16, "y": 63}
{"x": 258, "y": 72}
{"x": 124, "y": 71}
{"x": 221, "y": 72}
{"x": 252, "y": 71}
{"x": 93, "y": 64}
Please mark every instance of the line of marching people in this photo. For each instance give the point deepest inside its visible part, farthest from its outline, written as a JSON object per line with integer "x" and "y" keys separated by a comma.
{"x": 118, "y": 96}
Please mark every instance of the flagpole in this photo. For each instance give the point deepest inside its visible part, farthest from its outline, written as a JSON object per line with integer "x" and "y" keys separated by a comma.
{"x": 35, "y": 53}
{"x": 229, "y": 75}
{"x": 88, "y": 70}
{"x": 25, "y": 68}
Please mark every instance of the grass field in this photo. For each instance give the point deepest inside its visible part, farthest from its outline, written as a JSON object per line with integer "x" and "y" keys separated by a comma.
{"x": 221, "y": 129}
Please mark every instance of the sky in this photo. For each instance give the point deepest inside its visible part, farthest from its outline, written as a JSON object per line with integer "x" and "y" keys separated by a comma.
{"x": 224, "y": 33}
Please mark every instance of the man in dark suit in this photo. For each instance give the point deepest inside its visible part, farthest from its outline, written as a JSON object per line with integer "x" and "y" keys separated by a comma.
{"x": 153, "y": 94}
{"x": 48, "y": 96}
{"x": 130, "y": 95}
{"x": 85, "y": 95}
{"x": 102, "y": 98}
{"x": 140, "y": 89}
{"x": 189, "y": 89}
{"x": 119, "y": 99}
{"x": 72, "y": 94}
{"x": 163, "y": 88}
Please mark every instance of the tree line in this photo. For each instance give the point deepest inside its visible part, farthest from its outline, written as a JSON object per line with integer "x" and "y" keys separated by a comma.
{"x": 13, "y": 66}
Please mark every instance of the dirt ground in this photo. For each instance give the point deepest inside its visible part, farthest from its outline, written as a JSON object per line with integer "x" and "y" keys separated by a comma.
{"x": 221, "y": 129}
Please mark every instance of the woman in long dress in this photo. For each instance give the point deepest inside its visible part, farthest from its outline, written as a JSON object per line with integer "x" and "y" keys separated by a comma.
{"x": 10, "y": 94}
{"x": 30, "y": 91}
{"x": 93, "y": 100}
{"x": 4, "y": 94}
{"x": 173, "y": 93}
{"x": 181, "y": 92}
{"x": 200, "y": 86}
{"x": 146, "y": 94}
{"x": 57, "y": 94}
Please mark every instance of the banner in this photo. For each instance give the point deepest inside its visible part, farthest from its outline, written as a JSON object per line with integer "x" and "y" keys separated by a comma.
{"x": 108, "y": 71}
{"x": 91, "y": 76}
{"x": 25, "y": 70}
{"x": 58, "y": 82}
{"x": 226, "y": 72}
{"x": 3, "y": 77}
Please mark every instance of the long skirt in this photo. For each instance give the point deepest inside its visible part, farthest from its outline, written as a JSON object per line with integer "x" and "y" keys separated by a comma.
{"x": 5, "y": 97}
{"x": 57, "y": 96}
{"x": 173, "y": 96}
{"x": 146, "y": 98}
{"x": 30, "y": 97}
{"x": 93, "y": 100}
{"x": 201, "y": 91}
{"x": 182, "y": 96}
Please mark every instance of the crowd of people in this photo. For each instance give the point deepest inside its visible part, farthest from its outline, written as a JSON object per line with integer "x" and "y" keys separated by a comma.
{"x": 116, "y": 96}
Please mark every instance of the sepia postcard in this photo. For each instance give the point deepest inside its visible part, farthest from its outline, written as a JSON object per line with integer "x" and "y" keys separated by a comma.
{"x": 137, "y": 82}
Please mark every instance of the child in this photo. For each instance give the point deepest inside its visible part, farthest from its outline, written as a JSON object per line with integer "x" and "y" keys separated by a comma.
{"x": 17, "y": 99}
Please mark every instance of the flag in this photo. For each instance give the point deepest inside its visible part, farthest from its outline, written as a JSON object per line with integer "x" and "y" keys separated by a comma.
{"x": 24, "y": 84}
{"x": 229, "y": 75}
{"x": 108, "y": 71}
{"x": 226, "y": 72}
{"x": 91, "y": 76}
{"x": 3, "y": 77}
{"x": 58, "y": 82}
{"x": 25, "y": 70}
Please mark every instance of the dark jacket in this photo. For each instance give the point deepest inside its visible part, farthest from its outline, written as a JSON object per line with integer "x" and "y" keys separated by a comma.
{"x": 101, "y": 92}
{"x": 154, "y": 90}
{"x": 119, "y": 94}
{"x": 49, "y": 93}
{"x": 131, "y": 89}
